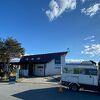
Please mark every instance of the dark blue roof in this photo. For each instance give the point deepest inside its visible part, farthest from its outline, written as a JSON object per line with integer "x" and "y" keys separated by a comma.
{"x": 41, "y": 58}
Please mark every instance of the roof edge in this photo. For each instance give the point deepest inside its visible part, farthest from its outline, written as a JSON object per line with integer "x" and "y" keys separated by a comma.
{"x": 65, "y": 52}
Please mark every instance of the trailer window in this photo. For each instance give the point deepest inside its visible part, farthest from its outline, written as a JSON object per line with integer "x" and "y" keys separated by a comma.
{"x": 82, "y": 71}
{"x": 95, "y": 72}
{"x": 76, "y": 70}
{"x": 91, "y": 71}
{"x": 39, "y": 66}
{"x": 65, "y": 70}
{"x": 68, "y": 70}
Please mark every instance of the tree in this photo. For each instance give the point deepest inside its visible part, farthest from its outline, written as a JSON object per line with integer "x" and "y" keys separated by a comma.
{"x": 2, "y": 51}
{"x": 13, "y": 48}
{"x": 9, "y": 49}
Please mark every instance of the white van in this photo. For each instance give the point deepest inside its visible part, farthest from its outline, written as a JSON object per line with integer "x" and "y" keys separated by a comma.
{"x": 80, "y": 75}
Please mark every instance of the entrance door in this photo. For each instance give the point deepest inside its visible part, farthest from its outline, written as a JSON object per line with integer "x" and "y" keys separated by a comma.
{"x": 39, "y": 70}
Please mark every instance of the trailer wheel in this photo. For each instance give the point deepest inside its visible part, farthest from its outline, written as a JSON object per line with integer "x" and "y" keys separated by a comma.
{"x": 74, "y": 87}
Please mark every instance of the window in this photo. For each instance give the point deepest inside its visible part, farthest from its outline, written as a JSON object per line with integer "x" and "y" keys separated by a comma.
{"x": 40, "y": 67}
{"x": 58, "y": 60}
{"x": 58, "y": 67}
{"x": 90, "y": 71}
{"x": 93, "y": 72}
{"x": 82, "y": 71}
{"x": 65, "y": 70}
{"x": 68, "y": 70}
{"x": 87, "y": 71}
{"x": 76, "y": 71}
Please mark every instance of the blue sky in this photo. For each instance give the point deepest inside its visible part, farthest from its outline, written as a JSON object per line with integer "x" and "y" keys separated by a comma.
{"x": 44, "y": 26}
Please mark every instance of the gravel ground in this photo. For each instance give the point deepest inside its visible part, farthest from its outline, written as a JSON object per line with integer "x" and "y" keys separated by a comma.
{"x": 42, "y": 91}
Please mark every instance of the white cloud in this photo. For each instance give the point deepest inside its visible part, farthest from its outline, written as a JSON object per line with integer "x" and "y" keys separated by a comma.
{"x": 92, "y": 50}
{"x": 92, "y": 40}
{"x": 57, "y": 7}
{"x": 90, "y": 37}
{"x": 83, "y": 1}
{"x": 91, "y": 11}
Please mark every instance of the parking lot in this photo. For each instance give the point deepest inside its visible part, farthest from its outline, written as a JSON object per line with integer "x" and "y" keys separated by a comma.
{"x": 42, "y": 91}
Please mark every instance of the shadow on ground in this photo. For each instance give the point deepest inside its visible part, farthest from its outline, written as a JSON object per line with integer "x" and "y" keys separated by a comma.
{"x": 53, "y": 79}
{"x": 54, "y": 94}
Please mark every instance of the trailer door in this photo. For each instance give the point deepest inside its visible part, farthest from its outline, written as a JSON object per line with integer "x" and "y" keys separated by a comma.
{"x": 86, "y": 79}
{"x": 86, "y": 76}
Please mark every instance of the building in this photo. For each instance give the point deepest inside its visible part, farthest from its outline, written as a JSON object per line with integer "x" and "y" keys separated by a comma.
{"x": 42, "y": 64}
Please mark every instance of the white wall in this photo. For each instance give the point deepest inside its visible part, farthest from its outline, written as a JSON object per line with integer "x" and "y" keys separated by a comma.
{"x": 54, "y": 69}
{"x": 63, "y": 63}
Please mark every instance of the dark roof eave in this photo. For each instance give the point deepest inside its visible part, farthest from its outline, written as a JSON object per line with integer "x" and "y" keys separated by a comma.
{"x": 33, "y": 62}
{"x": 44, "y": 58}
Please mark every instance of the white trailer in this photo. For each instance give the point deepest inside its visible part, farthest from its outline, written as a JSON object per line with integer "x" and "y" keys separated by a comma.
{"x": 80, "y": 75}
